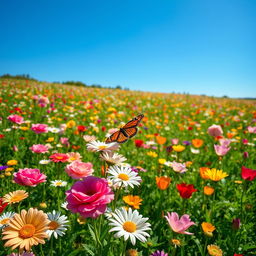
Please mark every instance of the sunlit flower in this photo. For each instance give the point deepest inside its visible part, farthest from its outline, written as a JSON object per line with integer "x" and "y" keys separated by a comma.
{"x": 26, "y": 229}
{"x": 134, "y": 201}
{"x": 112, "y": 158}
{"x": 15, "y": 197}
{"x": 97, "y": 146}
{"x": 129, "y": 224}
{"x": 208, "y": 228}
{"x": 215, "y": 175}
{"x": 178, "y": 148}
{"x": 208, "y": 190}
{"x": 163, "y": 182}
{"x": 214, "y": 250}
{"x": 12, "y": 162}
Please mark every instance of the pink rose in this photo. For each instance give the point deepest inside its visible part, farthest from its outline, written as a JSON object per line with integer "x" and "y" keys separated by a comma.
{"x": 29, "y": 177}
{"x": 78, "y": 169}
{"x": 89, "y": 197}
{"x": 16, "y": 119}
{"x": 215, "y": 130}
{"x": 39, "y": 148}
{"x": 39, "y": 128}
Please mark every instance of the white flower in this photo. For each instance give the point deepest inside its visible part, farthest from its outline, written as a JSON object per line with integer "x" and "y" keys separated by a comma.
{"x": 44, "y": 161}
{"x": 122, "y": 176}
{"x": 5, "y": 218}
{"x": 57, "y": 225}
{"x": 96, "y": 146}
{"x": 150, "y": 143}
{"x": 53, "y": 129}
{"x": 112, "y": 157}
{"x": 58, "y": 183}
{"x": 195, "y": 151}
{"x": 129, "y": 224}
{"x": 64, "y": 205}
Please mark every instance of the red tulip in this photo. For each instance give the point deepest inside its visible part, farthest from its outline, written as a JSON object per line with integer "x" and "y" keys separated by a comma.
{"x": 2, "y": 205}
{"x": 186, "y": 190}
{"x": 248, "y": 174}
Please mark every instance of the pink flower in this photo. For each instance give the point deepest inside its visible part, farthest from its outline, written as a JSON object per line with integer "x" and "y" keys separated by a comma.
{"x": 178, "y": 167}
{"x": 43, "y": 100}
{"x": 224, "y": 142}
{"x": 89, "y": 197}
{"x": 39, "y": 148}
{"x": 59, "y": 157}
{"x": 78, "y": 169}
{"x": 29, "y": 177}
{"x": 64, "y": 141}
{"x": 221, "y": 150}
{"x": 175, "y": 141}
{"x": 179, "y": 225}
{"x": 251, "y": 129}
{"x": 39, "y": 128}
{"x": 16, "y": 119}
{"x": 215, "y": 130}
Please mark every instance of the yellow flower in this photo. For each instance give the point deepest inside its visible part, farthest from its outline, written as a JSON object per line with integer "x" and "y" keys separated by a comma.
{"x": 214, "y": 250}
{"x": 81, "y": 220}
{"x": 10, "y": 169}
{"x": 178, "y": 148}
{"x": 161, "y": 160}
{"x": 12, "y": 162}
{"x": 131, "y": 252}
{"x": 50, "y": 139}
{"x": 134, "y": 201}
{"x": 151, "y": 153}
{"x": 176, "y": 242}
{"x": 7, "y": 174}
{"x": 188, "y": 163}
{"x": 43, "y": 205}
{"x": 238, "y": 182}
{"x": 208, "y": 228}
{"x": 215, "y": 175}
{"x": 15, "y": 197}
{"x": 24, "y": 128}
{"x": 71, "y": 124}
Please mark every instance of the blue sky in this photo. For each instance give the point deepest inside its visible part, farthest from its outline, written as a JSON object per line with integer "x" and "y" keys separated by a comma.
{"x": 193, "y": 46}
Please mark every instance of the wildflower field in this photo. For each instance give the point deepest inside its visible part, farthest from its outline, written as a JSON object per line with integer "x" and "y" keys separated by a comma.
{"x": 183, "y": 185}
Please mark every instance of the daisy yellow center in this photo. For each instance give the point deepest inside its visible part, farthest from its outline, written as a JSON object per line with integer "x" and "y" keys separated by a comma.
{"x": 58, "y": 183}
{"x": 53, "y": 225}
{"x": 102, "y": 147}
{"x": 4, "y": 221}
{"x": 59, "y": 157}
{"x": 16, "y": 198}
{"x": 123, "y": 176}
{"x": 72, "y": 158}
{"x": 27, "y": 231}
{"x": 129, "y": 226}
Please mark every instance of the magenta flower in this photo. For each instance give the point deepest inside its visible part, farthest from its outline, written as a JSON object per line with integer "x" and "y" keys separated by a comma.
{"x": 39, "y": 128}
{"x": 158, "y": 253}
{"x": 215, "y": 130}
{"x": 89, "y": 197}
{"x": 16, "y": 119}
{"x": 221, "y": 150}
{"x": 78, "y": 169}
{"x": 29, "y": 177}
{"x": 179, "y": 225}
{"x": 39, "y": 148}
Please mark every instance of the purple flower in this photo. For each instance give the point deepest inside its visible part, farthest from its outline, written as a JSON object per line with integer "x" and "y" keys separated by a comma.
{"x": 3, "y": 167}
{"x": 236, "y": 223}
{"x": 186, "y": 143}
{"x": 158, "y": 253}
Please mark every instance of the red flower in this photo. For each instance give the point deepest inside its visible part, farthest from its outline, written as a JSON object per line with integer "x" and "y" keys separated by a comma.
{"x": 59, "y": 157}
{"x": 81, "y": 128}
{"x": 2, "y": 205}
{"x": 238, "y": 254}
{"x": 103, "y": 128}
{"x": 248, "y": 174}
{"x": 1, "y": 136}
{"x": 186, "y": 190}
{"x": 138, "y": 143}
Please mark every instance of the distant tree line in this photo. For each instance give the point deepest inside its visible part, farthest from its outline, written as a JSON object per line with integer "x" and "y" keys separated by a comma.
{"x": 75, "y": 83}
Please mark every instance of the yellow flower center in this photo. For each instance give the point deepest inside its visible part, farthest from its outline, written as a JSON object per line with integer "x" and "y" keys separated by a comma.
{"x": 72, "y": 158}
{"x": 58, "y": 183}
{"x": 59, "y": 157}
{"x": 102, "y": 147}
{"x": 53, "y": 225}
{"x": 27, "y": 231}
{"x": 4, "y": 221}
{"x": 129, "y": 226}
{"x": 123, "y": 176}
{"x": 16, "y": 199}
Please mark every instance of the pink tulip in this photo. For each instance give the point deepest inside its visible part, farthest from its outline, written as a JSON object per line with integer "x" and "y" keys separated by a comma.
{"x": 175, "y": 141}
{"x": 39, "y": 148}
{"x": 215, "y": 130}
{"x": 78, "y": 169}
{"x": 221, "y": 150}
{"x": 179, "y": 225}
{"x": 16, "y": 119}
{"x": 29, "y": 177}
{"x": 39, "y": 128}
{"x": 89, "y": 197}
{"x": 224, "y": 142}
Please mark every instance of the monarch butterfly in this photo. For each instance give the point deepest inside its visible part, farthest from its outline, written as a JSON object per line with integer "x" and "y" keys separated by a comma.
{"x": 127, "y": 131}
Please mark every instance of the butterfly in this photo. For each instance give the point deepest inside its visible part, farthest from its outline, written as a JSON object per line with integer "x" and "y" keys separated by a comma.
{"x": 126, "y": 132}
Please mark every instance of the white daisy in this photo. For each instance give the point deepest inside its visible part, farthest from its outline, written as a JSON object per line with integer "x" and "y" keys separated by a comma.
{"x": 57, "y": 225}
{"x": 44, "y": 161}
{"x": 129, "y": 224}
{"x": 5, "y": 218}
{"x": 123, "y": 176}
{"x": 54, "y": 129}
{"x": 112, "y": 158}
{"x": 64, "y": 205}
{"x": 195, "y": 151}
{"x": 96, "y": 146}
{"x": 58, "y": 183}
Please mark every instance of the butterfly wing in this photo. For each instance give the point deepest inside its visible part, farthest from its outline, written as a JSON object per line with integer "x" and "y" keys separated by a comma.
{"x": 113, "y": 137}
{"x": 122, "y": 138}
{"x": 134, "y": 122}
{"x": 130, "y": 132}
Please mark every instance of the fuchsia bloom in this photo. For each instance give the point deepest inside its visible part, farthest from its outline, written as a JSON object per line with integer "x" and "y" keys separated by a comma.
{"x": 59, "y": 157}
{"x": 16, "y": 119}
{"x": 39, "y": 148}
{"x": 39, "y": 128}
{"x": 215, "y": 130}
{"x": 221, "y": 150}
{"x": 78, "y": 169}
{"x": 179, "y": 225}
{"x": 29, "y": 177}
{"x": 89, "y": 197}
{"x": 248, "y": 174}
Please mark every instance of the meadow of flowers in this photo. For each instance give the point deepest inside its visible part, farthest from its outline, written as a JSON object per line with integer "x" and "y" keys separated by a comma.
{"x": 184, "y": 185}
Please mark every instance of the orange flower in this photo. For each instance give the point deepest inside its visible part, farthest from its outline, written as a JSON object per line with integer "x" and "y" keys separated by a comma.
{"x": 208, "y": 228}
{"x": 197, "y": 143}
{"x": 163, "y": 182}
{"x": 208, "y": 190}
{"x": 203, "y": 172}
{"x": 134, "y": 201}
{"x": 160, "y": 140}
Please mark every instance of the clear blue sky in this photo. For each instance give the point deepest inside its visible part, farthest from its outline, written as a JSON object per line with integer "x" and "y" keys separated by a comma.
{"x": 194, "y": 46}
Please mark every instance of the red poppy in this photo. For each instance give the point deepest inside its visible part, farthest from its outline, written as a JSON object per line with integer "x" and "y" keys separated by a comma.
{"x": 248, "y": 174}
{"x": 103, "y": 128}
{"x": 1, "y": 136}
{"x": 138, "y": 143}
{"x": 2, "y": 205}
{"x": 186, "y": 190}
{"x": 81, "y": 128}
